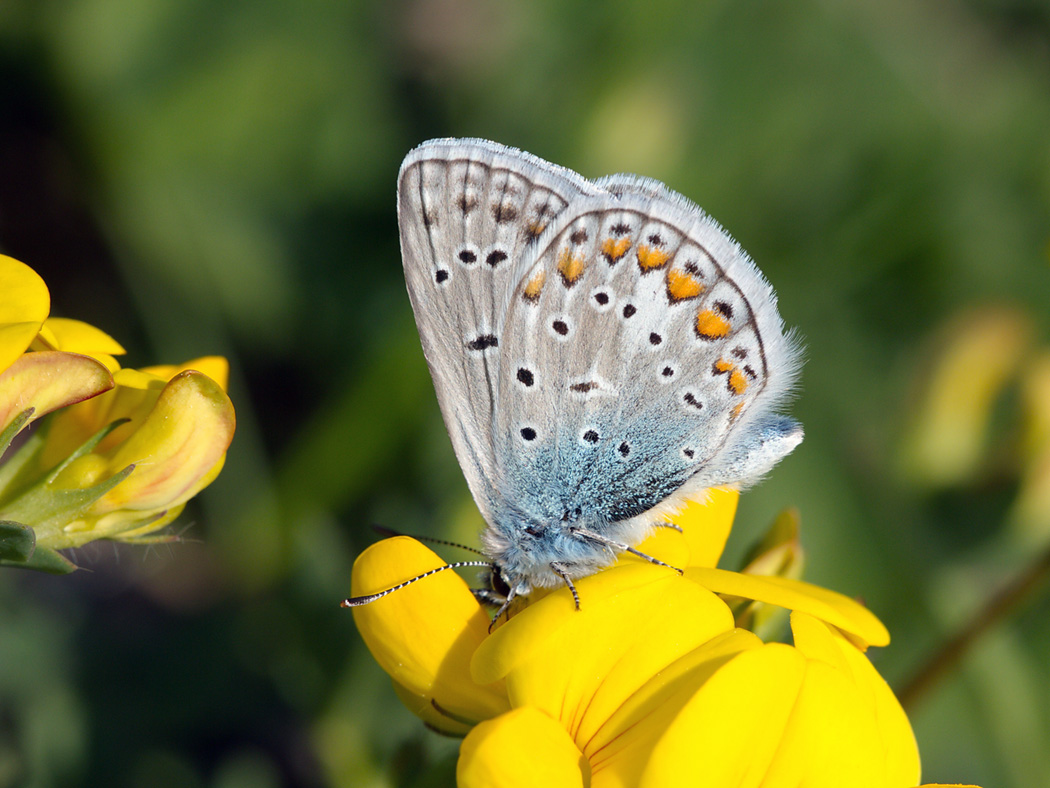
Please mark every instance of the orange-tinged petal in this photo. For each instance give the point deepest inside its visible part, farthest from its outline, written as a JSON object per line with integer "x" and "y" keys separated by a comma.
{"x": 132, "y": 397}
{"x": 49, "y": 380}
{"x": 185, "y": 435}
{"x": 619, "y": 749}
{"x": 729, "y": 732}
{"x": 424, "y": 634}
{"x": 215, "y": 367}
{"x": 523, "y": 748}
{"x": 581, "y": 666}
{"x": 23, "y": 308}
{"x": 829, "y": 606}
{"x": 894, "y": 741}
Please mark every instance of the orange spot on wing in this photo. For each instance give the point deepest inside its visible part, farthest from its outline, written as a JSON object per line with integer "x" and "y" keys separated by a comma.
{"x": 737, "y": 381}
{"x": 711, "y": 325}
{"x": 613, "y": 249}
{"x": 735, "y": 414}
{"x": 570, "y": 267}
{"x": 681, "y": 286}
{"x": 534, "y": 229}
{"x": 535, "y": 286}
{"x": 650, "y": 258}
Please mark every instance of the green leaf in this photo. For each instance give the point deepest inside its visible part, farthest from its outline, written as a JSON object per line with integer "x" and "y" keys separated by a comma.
{"x": 44, "y": 559}
{"x": 17, "y": 541}
{"x": 50, "y": 510}
{"x": 14, "y": 428}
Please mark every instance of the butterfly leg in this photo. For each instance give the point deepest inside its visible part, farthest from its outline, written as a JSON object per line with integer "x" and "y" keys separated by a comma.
{"x": 598, "y": 538}
{"x": 562, "y": 571}
{"x": 502, "y": 609}
{"x": 487, "y": 596}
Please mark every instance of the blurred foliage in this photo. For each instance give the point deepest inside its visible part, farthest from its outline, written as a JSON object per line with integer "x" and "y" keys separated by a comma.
{"x": 218, "y": 177}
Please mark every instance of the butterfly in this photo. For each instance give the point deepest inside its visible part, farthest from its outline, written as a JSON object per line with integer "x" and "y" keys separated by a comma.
{"x": 602, "y": 351}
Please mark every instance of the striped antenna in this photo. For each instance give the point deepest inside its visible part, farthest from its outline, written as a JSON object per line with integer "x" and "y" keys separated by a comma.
{"x": 382, "y": 529}
{"x": 357, "y": 601}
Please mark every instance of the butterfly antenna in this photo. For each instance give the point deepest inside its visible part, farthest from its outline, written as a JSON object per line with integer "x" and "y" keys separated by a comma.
{"x": 382, "y": 529}
{"x": 357, "y": 601}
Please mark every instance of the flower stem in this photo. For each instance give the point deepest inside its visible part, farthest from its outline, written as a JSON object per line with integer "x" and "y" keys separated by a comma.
{"x": 1000, "y": 606}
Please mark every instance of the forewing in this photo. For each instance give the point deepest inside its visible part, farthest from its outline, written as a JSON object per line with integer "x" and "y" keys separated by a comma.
{"x": 644, "y": 355}
{"x": 469, "y": 211}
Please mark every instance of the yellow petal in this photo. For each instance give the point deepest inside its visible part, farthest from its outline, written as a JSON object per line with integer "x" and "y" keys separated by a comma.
{"x": 831, "y": 738}
{"x": 185, "y": 435}
{"x": 778, "y": 716}
{"x": 835, "y": 609}
{"x": 423, "y": 706}
{"x": 24, "y": 305}
{"x": 729, "y": 732}
{"x": 619, "y": 750}
{"x": 894, "y": 749}
{"x": 523, "y": 748}
{"x": 706, "y": 525}
{"x": 580, "y": 666}
{"x": 139, "y": 380}
{"x": 424, "y": 634}
{"x": 76, "y": 336}
{"x": 49, "y": 380}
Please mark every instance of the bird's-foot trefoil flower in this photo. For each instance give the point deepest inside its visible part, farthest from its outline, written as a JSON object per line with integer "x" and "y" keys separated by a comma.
{"x": 116, "y": 453}
{"x": 652, "y": 682}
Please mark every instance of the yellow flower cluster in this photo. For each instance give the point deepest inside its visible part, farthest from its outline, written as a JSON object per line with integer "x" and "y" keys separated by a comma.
{"x": 653, "y": 682}
{"x": 123, "y": 449}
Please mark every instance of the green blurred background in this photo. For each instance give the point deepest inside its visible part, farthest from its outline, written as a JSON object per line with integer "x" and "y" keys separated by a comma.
{"x": 218, "y": 177}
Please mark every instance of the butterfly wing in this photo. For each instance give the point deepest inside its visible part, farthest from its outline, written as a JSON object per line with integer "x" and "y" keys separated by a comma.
{"x": 469, "y": 211}
{"x": 647, "y": 362}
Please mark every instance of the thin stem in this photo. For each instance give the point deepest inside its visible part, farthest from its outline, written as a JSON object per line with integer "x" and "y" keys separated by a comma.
{"x": 1003, "y": 604}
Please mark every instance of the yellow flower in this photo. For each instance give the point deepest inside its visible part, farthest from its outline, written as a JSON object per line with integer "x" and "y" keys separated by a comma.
{"x": 23, "y": 308}
{"x": 34, "y": 384}
{"x": 123, "y": 449}
{"x": 172, "y": 432}
{"x": 650, "y": 683}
